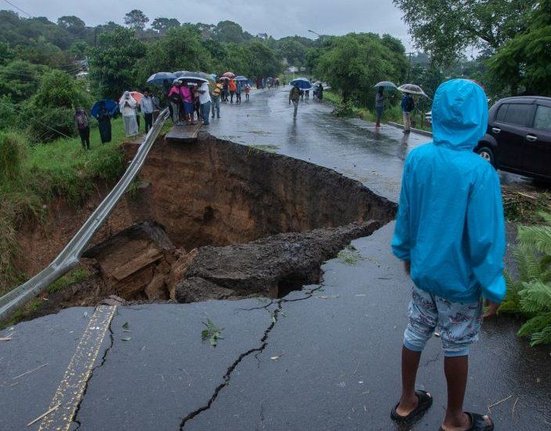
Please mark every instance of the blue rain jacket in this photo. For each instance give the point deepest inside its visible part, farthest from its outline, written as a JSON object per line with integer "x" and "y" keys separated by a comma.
{"x": 450, "y": 222}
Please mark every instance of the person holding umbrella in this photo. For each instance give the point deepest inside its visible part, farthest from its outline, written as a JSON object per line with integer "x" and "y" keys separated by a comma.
{"x": 294, "y": 96}
{"x": 233, "y": 88}
{"x": 408, "y": 105}
{"x": 104, "y": 123}
{"x": 379, "y": 105}
{"x": 205, "y": 101}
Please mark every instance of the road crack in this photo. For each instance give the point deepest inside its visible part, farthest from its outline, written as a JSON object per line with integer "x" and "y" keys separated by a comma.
{"x": 101, "y": 364}
{"x": 227, "y": 376}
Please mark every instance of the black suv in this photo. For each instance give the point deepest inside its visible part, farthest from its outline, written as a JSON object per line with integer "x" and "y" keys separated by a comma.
{"x": 518, "y": 138}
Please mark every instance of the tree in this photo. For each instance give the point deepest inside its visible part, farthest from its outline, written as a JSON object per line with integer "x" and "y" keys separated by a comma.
{"x": 443, "y": 29}
{"x": 113, "y": 63}
{"x": 262, "y": 61}
{"x": 162, "y": 25}
{"x": 353, "y": 63}
{"x": 523, "y": 62}
{"x": 293, "y": 51}
{"x": 136, "y": 20}
{"x": 72, "y": 24}
{"x": 181, "y": 48}
{"x": 49, "y": 112}
{"x": 18, "y": 79}
{"x": 229, "y": 31}
{"x": 6, "y": 53}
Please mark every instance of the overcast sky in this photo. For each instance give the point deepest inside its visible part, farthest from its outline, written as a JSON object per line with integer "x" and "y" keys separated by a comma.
{"x": 278, "y": 18}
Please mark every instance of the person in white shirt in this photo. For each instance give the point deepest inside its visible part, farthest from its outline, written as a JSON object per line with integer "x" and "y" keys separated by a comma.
{"x": 205, "y": 101}
{"x": 127, "y": 106}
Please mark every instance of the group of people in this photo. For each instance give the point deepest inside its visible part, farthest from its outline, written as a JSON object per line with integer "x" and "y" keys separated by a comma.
{"x": 407, "y": 105}
{"x": 192, "y": 101}
{"x": 231, "y": 88}
{"x": 130, "y": 110}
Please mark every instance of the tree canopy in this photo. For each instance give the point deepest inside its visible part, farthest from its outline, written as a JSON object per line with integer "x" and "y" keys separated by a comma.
{"x": 353, "y": 63}
{"x": 445, "y": 28}
{"x": 524, "y": 61}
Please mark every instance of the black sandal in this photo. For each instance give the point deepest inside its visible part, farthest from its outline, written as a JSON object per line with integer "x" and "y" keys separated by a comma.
{"x": 425, "y": 401}
{"x": 478, "y": 422}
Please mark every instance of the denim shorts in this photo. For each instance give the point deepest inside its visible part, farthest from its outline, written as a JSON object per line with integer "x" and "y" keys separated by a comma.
{"x": 458, "y": 323}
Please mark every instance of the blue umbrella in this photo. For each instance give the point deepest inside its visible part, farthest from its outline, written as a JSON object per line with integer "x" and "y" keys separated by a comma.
{"x": 302, "y": 83}
{"x": 160, "y": 77}
{"x": 241, "y": 78}
{"x": 111, "y": 106}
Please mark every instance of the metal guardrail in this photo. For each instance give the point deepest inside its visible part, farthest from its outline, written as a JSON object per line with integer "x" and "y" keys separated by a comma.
{"x": 70, "y": 255}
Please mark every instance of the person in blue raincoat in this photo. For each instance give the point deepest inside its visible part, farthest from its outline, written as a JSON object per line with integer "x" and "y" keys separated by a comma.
{"x": 450, "y": 234}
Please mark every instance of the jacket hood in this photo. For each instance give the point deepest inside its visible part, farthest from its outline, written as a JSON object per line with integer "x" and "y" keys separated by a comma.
{"x": 459, "y": 114}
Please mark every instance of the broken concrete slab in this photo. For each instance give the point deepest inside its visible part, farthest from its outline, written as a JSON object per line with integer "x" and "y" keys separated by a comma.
{"x": 135, "y": 262}
{"x": 271, "y": 266}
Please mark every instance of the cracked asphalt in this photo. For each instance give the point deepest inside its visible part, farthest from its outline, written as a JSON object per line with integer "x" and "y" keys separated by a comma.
{"x": 323, "y": 358}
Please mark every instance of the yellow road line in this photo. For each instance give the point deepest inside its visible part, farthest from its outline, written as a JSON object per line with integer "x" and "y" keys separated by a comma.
{"x": 70, "y": 390}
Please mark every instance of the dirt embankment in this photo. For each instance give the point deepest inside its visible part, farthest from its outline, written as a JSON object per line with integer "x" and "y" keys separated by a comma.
{"x": 212, "y": 193}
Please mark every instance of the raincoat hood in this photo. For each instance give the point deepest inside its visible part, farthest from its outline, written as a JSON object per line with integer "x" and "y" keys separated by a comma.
{"x": 459, "y": 114}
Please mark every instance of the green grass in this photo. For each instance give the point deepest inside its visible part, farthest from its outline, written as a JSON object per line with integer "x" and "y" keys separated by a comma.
{"x": 349, "y": 255}
{"x": 58, "y": 169}
{"x": 76, "y": 275}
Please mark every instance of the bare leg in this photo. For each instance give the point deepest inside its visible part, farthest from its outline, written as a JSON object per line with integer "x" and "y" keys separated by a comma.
{"x": 456, "y": 370}
{"x": 410, "y": 364}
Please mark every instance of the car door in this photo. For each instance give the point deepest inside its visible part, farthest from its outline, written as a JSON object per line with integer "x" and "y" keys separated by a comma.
{"x": 537, "y": 146}
{"x": 509, "y": 130}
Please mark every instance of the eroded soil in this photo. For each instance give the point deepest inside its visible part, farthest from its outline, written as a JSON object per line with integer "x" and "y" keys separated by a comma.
{"x": 212, "y": 219}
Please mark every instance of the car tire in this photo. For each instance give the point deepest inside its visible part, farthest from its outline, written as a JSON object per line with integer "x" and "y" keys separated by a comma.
{"x": 487, "y": 154}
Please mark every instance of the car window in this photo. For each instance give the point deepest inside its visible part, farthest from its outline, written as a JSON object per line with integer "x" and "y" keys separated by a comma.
{"x": 519, "y": 114}
{"x": 543, "y": 118}
{"x": 502, "y": 112}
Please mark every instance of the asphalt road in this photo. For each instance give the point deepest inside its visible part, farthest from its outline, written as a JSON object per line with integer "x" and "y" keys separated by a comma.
{"x": 324, "y": 358}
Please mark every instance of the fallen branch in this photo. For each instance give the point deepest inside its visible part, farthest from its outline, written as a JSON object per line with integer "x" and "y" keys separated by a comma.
{"x": 30, "y": 371}
{"x": 499, "y": 402}
{"x": 43, "y": 415}
{"x": 513, "y": 410}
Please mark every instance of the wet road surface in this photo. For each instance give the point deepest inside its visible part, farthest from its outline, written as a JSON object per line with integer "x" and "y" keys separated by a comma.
{"x": 324, "y": 358}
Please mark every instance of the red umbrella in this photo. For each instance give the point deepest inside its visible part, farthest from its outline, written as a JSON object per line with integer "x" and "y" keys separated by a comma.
{"x": 136, "y": 95}
{"x": 229, "y": 75}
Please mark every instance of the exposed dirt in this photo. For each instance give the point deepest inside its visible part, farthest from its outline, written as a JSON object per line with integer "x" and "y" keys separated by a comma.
{"x": 219, "y": 194}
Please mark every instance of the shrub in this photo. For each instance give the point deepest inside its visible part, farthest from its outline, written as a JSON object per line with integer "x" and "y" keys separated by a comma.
{"x": 345, "y": 109}
{"x": 12, "y": 152}
{"x": 48, "y": 124}
{"x": 530, "y": 294}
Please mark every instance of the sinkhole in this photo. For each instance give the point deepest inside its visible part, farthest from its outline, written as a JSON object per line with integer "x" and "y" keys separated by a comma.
{"x": 212, "y": 219}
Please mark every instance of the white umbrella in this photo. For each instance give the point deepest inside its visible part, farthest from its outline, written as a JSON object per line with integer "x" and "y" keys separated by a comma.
{"x": 412, "y": 89}
{"x": 385, "y": 84}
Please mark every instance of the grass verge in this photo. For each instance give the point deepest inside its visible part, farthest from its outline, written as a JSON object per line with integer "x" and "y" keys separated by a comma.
{"x": 58, "y": 169}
